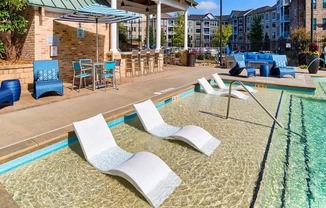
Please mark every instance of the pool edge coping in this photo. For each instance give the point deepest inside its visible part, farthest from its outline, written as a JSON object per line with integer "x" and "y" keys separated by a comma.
{"x": 47, "y": 139}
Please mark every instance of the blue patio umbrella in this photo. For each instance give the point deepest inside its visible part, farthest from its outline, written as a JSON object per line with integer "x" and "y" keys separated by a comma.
{"x": 97, "y": 13}
{"x": 227, "y": 49}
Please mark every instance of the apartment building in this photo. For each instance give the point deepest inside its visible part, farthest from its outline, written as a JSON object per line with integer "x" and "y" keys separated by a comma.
{"x": 238, "y": 40}
{"x": 269, "y": 25}
{"x": 300, "y": 11}
{"x": 241, "y": 24}
{"x": 136, "y": 32}
{"x": 201, "y": 29}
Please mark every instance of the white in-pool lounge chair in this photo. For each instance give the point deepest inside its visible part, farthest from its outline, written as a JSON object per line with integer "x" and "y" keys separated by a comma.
{"x": 195, "y": 136}
{"x": 210, "y": 90}
{"x": 150, "y": 175}
{"x": 222, "y": 86}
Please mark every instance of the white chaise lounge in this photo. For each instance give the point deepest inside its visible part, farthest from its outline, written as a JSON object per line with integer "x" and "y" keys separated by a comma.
{"x": 195, "y": 136}
{"x": 210, "y": 90}
{"x": 222, "y": 86}
{"x": 144, "y": 170}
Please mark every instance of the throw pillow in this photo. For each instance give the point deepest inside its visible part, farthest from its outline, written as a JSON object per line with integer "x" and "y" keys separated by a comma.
{"x": 242, "y": 64}
{"x": 279, "y": 64}
{"x": 47, "y": 75}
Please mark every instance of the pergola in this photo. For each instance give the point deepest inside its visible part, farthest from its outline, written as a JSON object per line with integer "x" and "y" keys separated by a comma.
{"x": 152, "y": 7}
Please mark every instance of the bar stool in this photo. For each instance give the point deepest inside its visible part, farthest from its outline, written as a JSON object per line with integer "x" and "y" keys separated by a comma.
{"x": 118, "y": 68}
{"x": 153, "y": 60}
{"x": 161, "y": 60}
{"x": 144, "y": 60}
{"x": 132, "y": 64}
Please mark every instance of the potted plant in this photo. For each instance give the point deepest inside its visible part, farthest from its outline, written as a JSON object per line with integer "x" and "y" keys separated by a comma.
{"x": 313, "y": 58}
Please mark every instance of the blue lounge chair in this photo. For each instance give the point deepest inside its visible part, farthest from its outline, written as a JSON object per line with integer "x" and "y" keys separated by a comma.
{"x": 241, "y": 65}
{"x": 280, "y": 68}
{"x": 46, "y": 77}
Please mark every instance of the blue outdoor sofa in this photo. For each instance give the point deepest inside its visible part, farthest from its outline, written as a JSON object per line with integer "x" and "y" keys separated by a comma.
{"x": 46, "y": 77}
{"x": 258, "y": 57}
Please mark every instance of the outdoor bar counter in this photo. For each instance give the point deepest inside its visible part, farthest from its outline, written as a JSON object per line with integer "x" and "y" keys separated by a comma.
{"x": 140, "y": 64}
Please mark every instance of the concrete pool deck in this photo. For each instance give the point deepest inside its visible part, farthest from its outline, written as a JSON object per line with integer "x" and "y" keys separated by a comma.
{"x": 31, "y": 124}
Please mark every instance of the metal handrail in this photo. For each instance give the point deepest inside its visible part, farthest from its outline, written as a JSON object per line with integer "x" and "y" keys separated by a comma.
{"x": 229, "y": 100}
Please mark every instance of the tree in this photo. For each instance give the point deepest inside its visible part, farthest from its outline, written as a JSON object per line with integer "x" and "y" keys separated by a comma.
{"x": 151, "y": 36}
{"x": 226, "y": 34}
{"x": 267, "y": 42}
{"x": 13, "y": 26}
{"x": 323, "y": 40}
{"x": 256, "y": 33}
{"x": 178, "y": 38}
{"x": 163, "y": 38}
{"x": 300, "y": 39}
{"x": 123, "y": 34}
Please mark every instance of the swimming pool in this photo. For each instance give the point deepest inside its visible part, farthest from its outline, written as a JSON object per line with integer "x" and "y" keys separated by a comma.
{"x": 297, "y": 165}
{"x": 227, "y": 178}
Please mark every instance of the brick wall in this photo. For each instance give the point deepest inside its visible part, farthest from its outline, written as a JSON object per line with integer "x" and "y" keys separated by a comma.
{"x": 29, "y": 43}
{"x": 70, "y": 48}
{"x": 319, "y": 14}
{"x": 22, "y": 72}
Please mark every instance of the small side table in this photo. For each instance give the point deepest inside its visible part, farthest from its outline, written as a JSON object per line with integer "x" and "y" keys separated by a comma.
{"x": 264, "y": 70}
{"x": 14, "y": 86}
{"x": 6, "y": 96}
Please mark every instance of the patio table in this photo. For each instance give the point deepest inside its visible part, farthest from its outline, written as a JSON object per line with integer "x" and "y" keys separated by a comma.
{"x": 95, "y": 67}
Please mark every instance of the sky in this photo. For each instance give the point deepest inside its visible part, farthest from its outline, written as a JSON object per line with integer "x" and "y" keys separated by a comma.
{"x": 213, "y": 6}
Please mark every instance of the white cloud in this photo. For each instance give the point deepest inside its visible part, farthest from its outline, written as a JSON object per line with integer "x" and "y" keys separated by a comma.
{"x": 207, "y": 6}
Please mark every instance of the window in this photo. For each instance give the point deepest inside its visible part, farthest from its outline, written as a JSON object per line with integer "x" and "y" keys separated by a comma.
{"x": 273, "y": 25}
{"x": 324, "y": 22}
{"x": 274, "y": 14}
{"x": 273, "y": 35}
{"x": 249, "y": 19}
{"x": 198, "y": 22}
{"x": 266, "y": 16}
{"x": 267, "y": 26}
{"x": 314, "y": 26}
{"x": 197, "y": 37}
{"x": 240, "y": 29}
{"x": 198, "y": 30}
{"x": 324, "y": 4}
{"x": 314, "y": 6}
{"x": 240, "y": 20}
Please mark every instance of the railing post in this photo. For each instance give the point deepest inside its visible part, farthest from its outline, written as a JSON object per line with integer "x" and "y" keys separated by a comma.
{"x": 229, "y": 101}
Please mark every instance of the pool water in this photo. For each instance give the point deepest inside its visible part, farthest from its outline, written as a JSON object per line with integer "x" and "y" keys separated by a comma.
{"x": 228, "y": 178}
{"x": 297, "y": 165}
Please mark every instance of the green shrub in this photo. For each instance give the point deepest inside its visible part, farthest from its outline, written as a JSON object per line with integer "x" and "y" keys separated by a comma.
{"x": 200, "y": 56}
{"x": 303, "y": 66}
{"x": 178, "y": 54}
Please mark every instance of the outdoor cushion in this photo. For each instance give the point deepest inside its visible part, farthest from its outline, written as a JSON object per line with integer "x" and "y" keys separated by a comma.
{"x": 242, "y": 64}
{"x": 280, "y": 64}
{"x": 251, "y": 56}
{"x": 263, "y": 56}
{"x": 47, "y": 75}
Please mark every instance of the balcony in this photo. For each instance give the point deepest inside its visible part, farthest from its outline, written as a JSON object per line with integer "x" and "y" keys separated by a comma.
{"x": 286, "y": 34}
{"x": 286, "y": 18}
